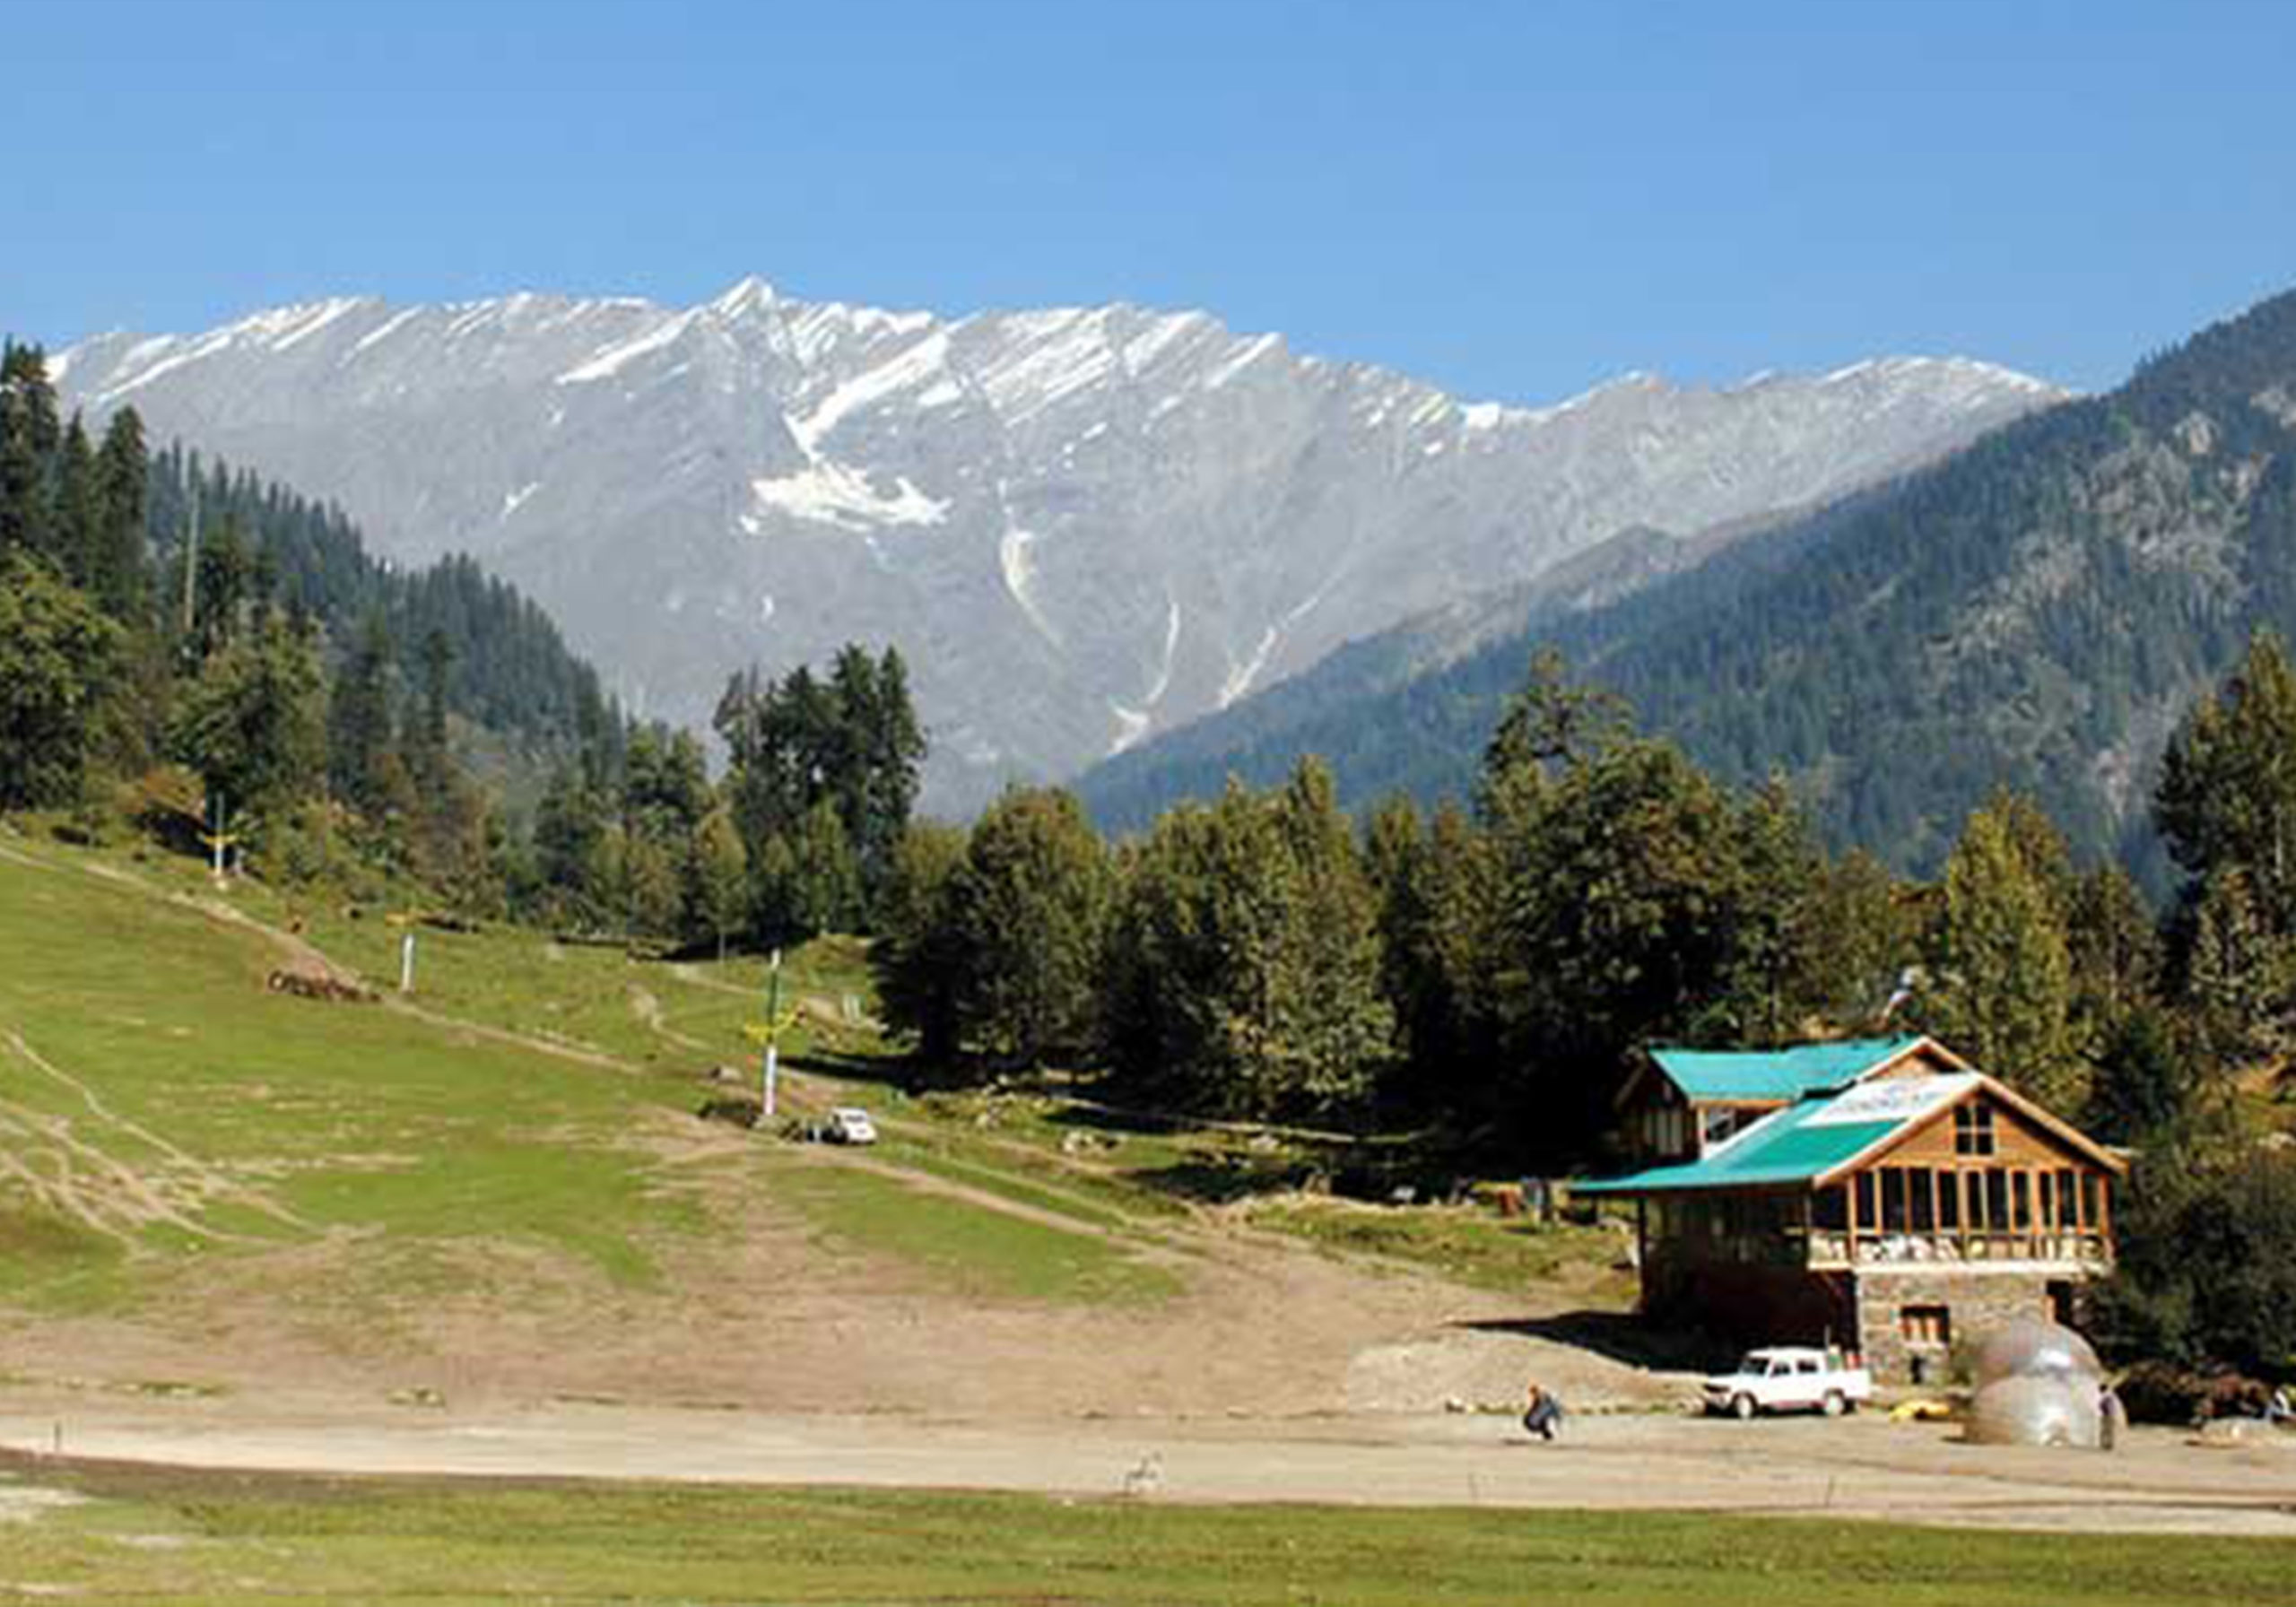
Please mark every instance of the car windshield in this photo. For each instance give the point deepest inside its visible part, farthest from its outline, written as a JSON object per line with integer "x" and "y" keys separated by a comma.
{"x": 1755, "y": 1362}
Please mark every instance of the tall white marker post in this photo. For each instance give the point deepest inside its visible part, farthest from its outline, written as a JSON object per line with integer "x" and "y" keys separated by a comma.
{"x": 771, "y": 1076}
{"x": 405, "y": 923}
{"x": 218, "y": 839}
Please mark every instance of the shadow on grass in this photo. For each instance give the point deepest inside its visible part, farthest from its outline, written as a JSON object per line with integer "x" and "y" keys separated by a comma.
{"x": 885, "y": 1071}
{"x": 1214, "y": 1181}
{"x": 1621, "y": 1336}
{"x": 1108, "y": 1118}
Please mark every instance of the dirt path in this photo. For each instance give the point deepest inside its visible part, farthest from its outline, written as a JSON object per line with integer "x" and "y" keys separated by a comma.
{"x": 182, "y": 1170}
{"x": 1862, "y": 1469}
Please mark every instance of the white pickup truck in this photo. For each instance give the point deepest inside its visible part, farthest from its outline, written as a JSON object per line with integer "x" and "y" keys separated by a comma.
{"x": 1790, "y": 1379}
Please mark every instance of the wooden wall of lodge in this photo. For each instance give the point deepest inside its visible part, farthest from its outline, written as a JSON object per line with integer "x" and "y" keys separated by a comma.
{"x": 2033, "y": 1162}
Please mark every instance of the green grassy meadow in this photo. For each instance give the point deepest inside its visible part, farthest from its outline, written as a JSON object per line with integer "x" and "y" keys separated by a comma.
{"x": 167, "y": 1536}
{"x": 163, "y": 1110}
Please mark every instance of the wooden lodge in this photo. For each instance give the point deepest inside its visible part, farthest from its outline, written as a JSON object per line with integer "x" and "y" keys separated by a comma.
{"x": 1882, "y": 1194}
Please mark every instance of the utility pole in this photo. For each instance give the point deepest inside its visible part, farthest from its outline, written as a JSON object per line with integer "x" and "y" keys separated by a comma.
{"x": 768, "y": 1032}
{"x": 191, "y": 549}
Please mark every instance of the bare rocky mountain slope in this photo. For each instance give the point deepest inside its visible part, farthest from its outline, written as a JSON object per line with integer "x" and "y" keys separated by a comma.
{"x": 1082, "y": 525}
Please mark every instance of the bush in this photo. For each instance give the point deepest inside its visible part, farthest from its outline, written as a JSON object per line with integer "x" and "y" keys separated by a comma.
{"x": 2159, "y": 1392}
{"x": 2207, "y": 1273}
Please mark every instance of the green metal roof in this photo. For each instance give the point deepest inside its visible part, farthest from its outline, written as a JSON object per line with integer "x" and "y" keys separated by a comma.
{"x": 1803, "y": 1141}
{"x": 1784, "y": 1074}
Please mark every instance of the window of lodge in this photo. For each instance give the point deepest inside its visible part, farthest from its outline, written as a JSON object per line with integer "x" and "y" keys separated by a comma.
{"x": 1973, "y": 1129}
{"x": 1926, "y": 1326}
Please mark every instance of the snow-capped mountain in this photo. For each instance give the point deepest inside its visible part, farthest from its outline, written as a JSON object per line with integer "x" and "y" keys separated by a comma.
{"x": 1080, "y": 526}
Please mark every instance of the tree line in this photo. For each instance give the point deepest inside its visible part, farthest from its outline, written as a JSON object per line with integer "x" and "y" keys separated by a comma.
{"x": 1486, "y": 973}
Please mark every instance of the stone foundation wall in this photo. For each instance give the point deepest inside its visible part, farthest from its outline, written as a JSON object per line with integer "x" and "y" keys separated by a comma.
{"x": 1976, "y": 1301}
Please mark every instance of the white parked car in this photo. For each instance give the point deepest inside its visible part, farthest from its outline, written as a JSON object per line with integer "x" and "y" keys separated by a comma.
{"x": 848, "y": 1125}
{"x": 1790, "y": 1379}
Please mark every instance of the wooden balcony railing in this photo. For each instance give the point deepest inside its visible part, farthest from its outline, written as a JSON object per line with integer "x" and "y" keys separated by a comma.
{"x": 1831, "y": 1247}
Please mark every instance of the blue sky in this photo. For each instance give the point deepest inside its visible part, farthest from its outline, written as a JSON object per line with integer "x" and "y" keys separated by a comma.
{"x": 1510, "y": 198}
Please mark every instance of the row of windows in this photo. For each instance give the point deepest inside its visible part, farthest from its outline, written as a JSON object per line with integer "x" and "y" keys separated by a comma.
{"x": 1979, "y": 1199}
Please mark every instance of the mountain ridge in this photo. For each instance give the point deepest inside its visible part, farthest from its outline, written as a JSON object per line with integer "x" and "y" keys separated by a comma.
{"x": 2035, "y": 611}
{"x": 1082, "y": 525}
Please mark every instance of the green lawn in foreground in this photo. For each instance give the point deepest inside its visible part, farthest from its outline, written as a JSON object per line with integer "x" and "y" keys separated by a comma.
{"x": 185, "y": 1537}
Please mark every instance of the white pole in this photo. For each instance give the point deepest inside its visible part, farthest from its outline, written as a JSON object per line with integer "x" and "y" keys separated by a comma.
{"x": 221, "y": 814}
{"x": 772, "y": 1076}
{"x": 407, "y": 962}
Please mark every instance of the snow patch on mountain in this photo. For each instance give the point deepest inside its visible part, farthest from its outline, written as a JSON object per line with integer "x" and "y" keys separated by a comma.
{"x": 833, "y": 494}
{"x": 383, "y": 331}
{"x": 615, "y": 358}
{"x": 919, "y": 362}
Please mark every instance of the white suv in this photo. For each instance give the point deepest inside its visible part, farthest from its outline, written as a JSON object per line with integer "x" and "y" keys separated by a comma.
{"x": 1786, "y": 1378}
{"x": 848, "y": 1125}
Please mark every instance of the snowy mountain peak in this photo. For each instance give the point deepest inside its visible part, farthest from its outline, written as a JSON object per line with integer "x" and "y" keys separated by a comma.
{"x": 1082, "y": 525}
{"x": 744, "y": 295}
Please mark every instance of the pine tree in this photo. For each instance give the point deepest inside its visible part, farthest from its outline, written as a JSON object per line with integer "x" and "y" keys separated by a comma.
{"x": 123, "y": 480}
{"x": 807, "y": 879}
{"x": 1337, "y": 1028}
{"x": 920, "y": 955}
{"x": 254, "y": 724}
{"x": 569, "y": 823}
{"x": 2227, "y": 797}
{"x": 1030, "y": 905}
{"x": 2240, "y": 975}
{"x": 29, "y": 437}
{"x": 76, "y": 534}
{"x": 653, "y": 888}
{"x": 2001, "y": 976}
{"x": 57, "y": 658}
{"x": 1242, "y": 966}
{"x": 1772, "y": 982}
{"x": 1866, "y": 936}
{"x": 718, "y": 895}
{"x": 359, "y": 718}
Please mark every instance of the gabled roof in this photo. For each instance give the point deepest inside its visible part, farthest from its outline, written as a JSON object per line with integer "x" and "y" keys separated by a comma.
{"x": 1707, "y": 1076}
{"x": 1818, "y": 1139}
{"x": 1805, "y": 1141}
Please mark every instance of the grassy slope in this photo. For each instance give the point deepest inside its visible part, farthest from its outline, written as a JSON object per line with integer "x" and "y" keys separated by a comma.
{"x": 155, "y": 1536}
{"x": 177, "y": 1111}
{"x": 230, "y": 1121}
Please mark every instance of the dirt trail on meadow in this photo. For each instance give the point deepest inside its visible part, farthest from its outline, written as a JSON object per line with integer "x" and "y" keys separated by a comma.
{"x": 1862, "y": 1468}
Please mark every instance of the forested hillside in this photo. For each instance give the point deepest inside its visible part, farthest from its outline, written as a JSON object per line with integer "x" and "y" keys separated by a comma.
{"x": 508, "y": 668}
{"x": 2035, "y": 611}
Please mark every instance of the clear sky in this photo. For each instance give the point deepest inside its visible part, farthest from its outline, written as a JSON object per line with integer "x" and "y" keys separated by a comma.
{"x": 1511, "y": 198}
